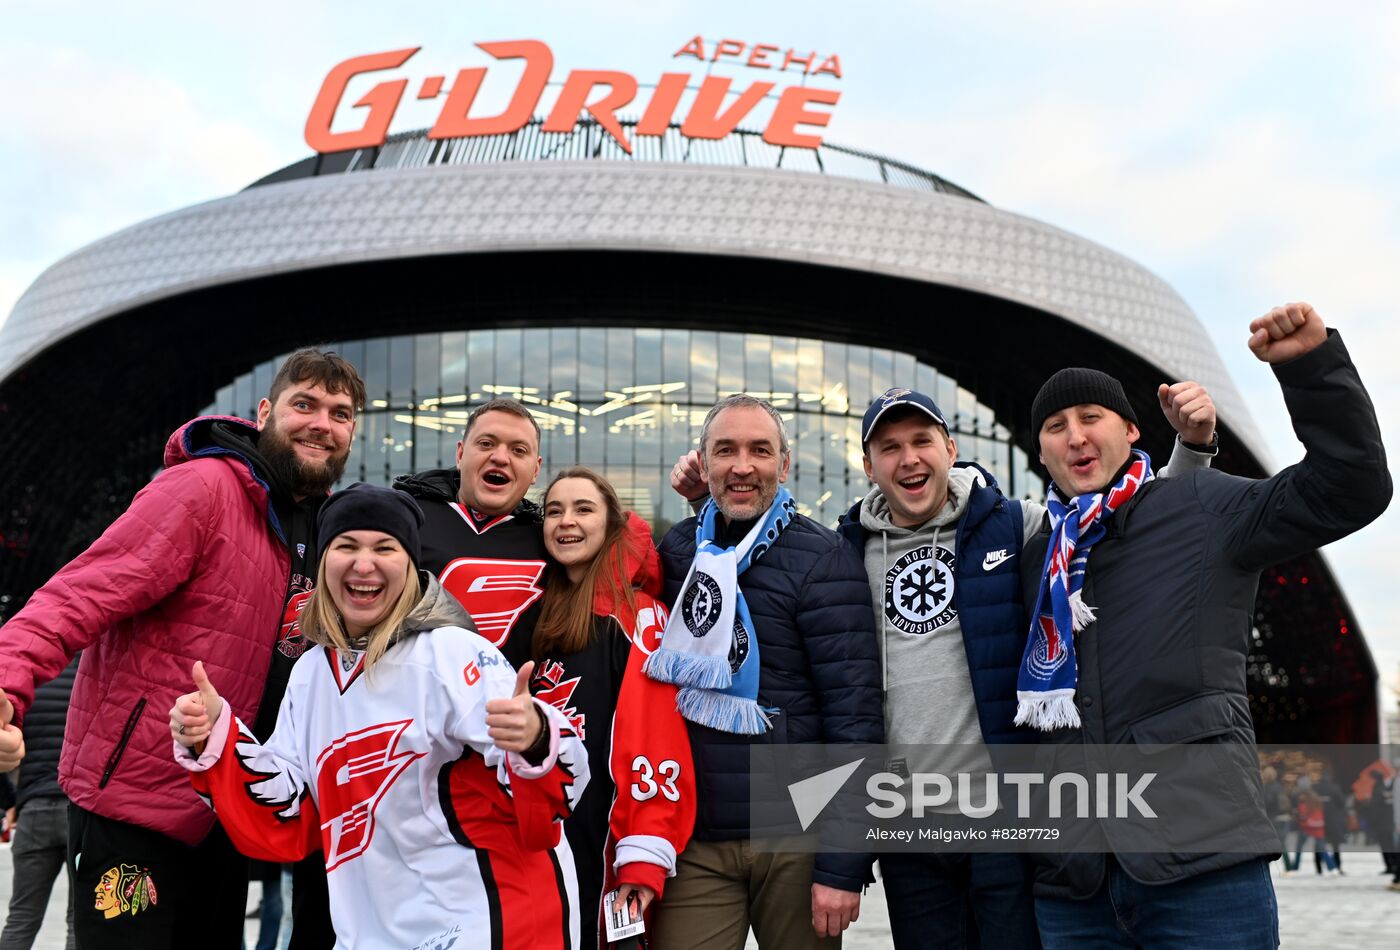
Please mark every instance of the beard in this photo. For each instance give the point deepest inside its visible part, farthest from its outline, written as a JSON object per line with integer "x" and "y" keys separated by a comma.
{"x": 302, "y": 478}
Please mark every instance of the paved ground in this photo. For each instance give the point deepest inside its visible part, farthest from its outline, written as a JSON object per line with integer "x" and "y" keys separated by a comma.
{"x": 1332, "y": 913}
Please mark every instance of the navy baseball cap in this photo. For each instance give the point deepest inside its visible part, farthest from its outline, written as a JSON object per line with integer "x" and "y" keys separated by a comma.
{"x": 893, "y": 398}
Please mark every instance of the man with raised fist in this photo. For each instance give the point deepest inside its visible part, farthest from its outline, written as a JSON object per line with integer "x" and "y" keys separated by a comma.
{"x": 1140, "y": 631}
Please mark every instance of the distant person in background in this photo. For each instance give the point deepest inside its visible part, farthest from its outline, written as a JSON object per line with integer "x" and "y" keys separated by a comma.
{"x": 1334, "y": 811}
{"x": 40, "y": 836}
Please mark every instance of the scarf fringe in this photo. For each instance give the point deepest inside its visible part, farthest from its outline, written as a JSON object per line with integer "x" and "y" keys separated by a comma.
{"x": 1081, "y": 614}
{"x": 722, "y": 711}
{"x": 689, "y": 669}
{"x": 1054, "y": 709}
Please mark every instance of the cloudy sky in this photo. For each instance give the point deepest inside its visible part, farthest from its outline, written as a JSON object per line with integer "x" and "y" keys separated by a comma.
{"x": 1246, "y": 152}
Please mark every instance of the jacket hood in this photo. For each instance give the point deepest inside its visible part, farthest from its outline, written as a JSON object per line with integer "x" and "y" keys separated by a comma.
{"x": 640, "y": 562}
{"x": 875, "y": 510}
{"x": 235, "y": 439}
{"x": 443, "y": 484}
{"x": 436, "y": 608}
{"x": 196, "y": 439}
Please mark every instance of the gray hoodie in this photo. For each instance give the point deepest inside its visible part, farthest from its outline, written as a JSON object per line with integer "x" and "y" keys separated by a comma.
{"x": 928, "y": 688}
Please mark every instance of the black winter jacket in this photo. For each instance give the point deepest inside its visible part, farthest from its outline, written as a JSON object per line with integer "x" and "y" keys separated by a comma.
{"x": 43, "y": 737}
{"x": 1174, "y": 582}
{"x": 819, "y": 667}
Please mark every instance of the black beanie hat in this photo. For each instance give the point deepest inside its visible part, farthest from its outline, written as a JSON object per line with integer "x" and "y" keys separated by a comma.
{"x": 364, "y": 507}
{"x": 1075, "y": 386}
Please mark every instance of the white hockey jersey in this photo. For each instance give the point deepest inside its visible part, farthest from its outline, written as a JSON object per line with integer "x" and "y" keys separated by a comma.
{"x": 433, "y": 837}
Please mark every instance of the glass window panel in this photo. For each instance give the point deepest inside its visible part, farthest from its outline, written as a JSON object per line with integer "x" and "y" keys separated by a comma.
{"x": 563, "y": 364}
{"x": 262, "y": 379}
{"x": 376, "y": 373}
{"x": 833, "y": 445}
{"x": 401, "y": 371}
{"x": 758, "y": 363}
{"x": 621, "y": 360}
{"x": 947, "y": 400}
{"x": 926, "y": 381}
{"x": 806, "y": 436}
{"x": 675, "y": 358}
{"x": 904, "y": 372}
{"x": 223, "y": 401}
{"x": 590, "y": 442}
{"x": 454, "y": 364}
{"x": 646, "y": 370}
{"x": 731, "y": 364}
{"x": 372, "y": 454}
{"x": 354, "y": 354}
{"x": 243, "y": 402}
{"x": 809, "y": 372}
{"x": 835, "y": 389}
{"x": 481, "y": 363}
{"x": 427, "y": 365}
{"x": 859, "y": 384}
{"x": 785, "y": 372}
{"x": 882, "y": 374}
{"x": 399, "y": 444}
{"x": 592, "y": 363}
{"x": 704, "y": 367}
{"x": 510, "y": 362}
{"x": 967, "y": 410}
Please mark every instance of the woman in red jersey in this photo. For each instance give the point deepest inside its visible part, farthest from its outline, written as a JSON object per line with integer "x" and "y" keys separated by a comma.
{"x": 598, "y": 623}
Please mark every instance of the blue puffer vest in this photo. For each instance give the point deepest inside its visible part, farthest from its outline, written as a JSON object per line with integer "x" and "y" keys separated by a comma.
{"x": 990, "y": 608}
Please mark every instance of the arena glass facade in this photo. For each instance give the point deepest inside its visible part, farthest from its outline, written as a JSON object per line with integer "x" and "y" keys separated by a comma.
{"x": 628, "y": 401}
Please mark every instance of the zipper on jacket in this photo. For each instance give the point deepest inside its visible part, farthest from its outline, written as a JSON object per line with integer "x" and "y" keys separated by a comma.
{"x": 116, "y": 756}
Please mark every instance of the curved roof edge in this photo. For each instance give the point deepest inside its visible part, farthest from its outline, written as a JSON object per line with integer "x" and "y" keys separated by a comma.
{"x": 678, "y": 208}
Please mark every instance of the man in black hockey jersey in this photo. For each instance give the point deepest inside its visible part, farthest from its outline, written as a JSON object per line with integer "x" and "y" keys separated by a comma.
{"x": 481, "y": 538}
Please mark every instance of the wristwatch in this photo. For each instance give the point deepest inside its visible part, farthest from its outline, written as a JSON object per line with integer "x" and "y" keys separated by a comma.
{"x": 1205, "y": 448}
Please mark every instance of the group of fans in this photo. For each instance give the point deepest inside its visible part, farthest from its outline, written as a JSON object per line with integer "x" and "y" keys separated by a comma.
{"x": 467, "y": 717}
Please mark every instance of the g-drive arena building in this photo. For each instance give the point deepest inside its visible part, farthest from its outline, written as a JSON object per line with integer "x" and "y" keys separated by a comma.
{"x": 618, "y": 294}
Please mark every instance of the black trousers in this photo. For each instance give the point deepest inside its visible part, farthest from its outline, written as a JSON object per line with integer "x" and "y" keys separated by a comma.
{"x": 136, "y": 888}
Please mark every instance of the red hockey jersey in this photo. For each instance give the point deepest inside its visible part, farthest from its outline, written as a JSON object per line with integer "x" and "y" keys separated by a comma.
{"x": 637, "y": 813}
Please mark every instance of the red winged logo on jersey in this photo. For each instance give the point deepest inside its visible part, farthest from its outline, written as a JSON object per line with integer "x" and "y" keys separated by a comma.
{"x": 290, "y": 642}
{"x": 353, "y": 774}
{"x": 494, "y": 592}
{"x": 549, "y": 686}
{"x": 650, "y": 624}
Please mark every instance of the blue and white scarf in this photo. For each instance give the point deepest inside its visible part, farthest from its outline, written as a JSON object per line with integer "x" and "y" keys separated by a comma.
{"x": 1049, "y": 674}
{"x": 709, "y": 647}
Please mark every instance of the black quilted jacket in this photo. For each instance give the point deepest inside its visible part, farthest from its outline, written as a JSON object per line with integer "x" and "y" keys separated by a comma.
{"x": 820, "y": 668}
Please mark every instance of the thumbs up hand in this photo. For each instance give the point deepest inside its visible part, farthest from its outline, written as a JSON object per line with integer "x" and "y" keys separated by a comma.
{"x": 514, "y": 724}
{"x": 11, "y": 739}
{"x": 193, "y": 716}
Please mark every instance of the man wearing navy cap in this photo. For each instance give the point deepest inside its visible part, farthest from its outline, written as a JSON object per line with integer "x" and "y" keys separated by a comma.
{"x": 941, "y": 546}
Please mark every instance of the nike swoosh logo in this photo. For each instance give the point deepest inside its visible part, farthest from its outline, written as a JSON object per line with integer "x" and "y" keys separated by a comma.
{"x": 994, "y": 558}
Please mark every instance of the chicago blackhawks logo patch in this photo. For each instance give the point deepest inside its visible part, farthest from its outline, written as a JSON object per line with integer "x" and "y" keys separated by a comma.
{"x": 919, "y": 591}
{"x": 124, "y": 889}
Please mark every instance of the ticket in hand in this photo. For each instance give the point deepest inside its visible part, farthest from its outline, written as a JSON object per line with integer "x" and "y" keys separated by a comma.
{"x": 624, "y": 918}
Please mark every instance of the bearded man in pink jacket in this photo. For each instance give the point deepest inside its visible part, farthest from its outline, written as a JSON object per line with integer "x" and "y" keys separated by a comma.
{"x": 211, "y": 561}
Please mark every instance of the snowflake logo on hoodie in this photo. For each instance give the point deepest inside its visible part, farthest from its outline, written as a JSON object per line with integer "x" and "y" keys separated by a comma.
{"x": 919, "y": 591}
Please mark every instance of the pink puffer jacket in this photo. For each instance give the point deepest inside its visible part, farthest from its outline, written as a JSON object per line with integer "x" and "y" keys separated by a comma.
{"x": 195, "y": 569}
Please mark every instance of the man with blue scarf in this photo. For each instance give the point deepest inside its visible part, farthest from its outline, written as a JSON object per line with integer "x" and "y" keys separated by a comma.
{"x": 1141, "y": 621}
{"x": 771, "y": 639}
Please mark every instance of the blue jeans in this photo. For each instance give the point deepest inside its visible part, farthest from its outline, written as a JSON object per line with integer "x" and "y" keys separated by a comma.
{"x": 1230, "y": 909}
{"x": 959, "y": 901}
